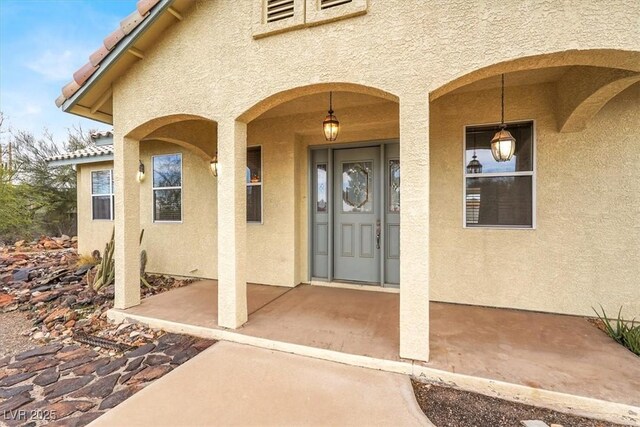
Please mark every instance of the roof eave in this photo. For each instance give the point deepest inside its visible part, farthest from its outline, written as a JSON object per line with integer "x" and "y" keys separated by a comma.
{"x": 70, "y": 105}
{"x": 81, "y": 160}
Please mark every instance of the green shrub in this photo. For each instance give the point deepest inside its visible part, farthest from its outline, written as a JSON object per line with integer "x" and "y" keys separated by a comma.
{"x": 625, "y": 332}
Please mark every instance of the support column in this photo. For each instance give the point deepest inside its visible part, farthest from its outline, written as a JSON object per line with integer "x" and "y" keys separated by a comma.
{"x": 414, "y": 226}
{"x": 232, "y": 223}
{"x": 127, "y": 222}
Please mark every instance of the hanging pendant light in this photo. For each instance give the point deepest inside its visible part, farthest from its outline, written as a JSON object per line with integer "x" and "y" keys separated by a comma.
{"x": 474, "y": 165}
{"x": 503, "y": 144}
{"x": 331, "y": 125}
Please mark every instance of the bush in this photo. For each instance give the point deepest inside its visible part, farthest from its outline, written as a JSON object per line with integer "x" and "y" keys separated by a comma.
{"x": 625, "y": 332}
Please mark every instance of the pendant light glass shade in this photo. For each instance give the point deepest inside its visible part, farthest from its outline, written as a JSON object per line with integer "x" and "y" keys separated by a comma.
{"x": 503, "y": 144}
{"x": 331, "y": 125}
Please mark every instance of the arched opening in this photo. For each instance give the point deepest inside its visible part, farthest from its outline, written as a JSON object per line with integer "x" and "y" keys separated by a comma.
{"x": 574, "y": 116}
{"x": 176, "y": 196}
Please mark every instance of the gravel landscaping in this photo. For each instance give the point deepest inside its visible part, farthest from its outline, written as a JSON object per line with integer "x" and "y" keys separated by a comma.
{"x": 14, "y": 333}
{"x": 448, "y": 407}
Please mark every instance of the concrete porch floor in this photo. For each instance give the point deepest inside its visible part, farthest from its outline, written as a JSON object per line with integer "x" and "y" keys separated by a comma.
{"x": 544, "y": 351}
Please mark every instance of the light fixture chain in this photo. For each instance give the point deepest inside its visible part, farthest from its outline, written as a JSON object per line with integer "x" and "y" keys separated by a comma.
{"x": 502, "y": 97}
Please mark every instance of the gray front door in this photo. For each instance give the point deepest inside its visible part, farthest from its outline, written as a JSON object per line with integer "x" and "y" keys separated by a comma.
{"x": 357, "y": 229}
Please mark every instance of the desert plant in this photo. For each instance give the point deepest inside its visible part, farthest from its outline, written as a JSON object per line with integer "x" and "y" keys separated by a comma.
{"x": 87, "y": 260}
{"x": 106, "y": 270}
{"x": 143, "y": 264}
{"x": 625, "y": 332}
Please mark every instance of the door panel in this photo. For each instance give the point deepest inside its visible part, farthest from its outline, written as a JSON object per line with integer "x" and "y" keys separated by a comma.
{"x": 392, "y": 213}
{"x": 356, "y": 214}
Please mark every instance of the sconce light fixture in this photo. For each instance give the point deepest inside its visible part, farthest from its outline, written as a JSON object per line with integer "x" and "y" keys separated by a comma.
{"x": 214, "y": 165}
{"x": 140, "y": 175}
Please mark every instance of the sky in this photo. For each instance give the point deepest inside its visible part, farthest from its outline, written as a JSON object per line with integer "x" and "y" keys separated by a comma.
{"x": 42, "y": 43}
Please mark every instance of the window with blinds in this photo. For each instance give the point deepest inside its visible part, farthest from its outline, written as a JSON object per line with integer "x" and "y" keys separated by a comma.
{"x": 501, "y": 194}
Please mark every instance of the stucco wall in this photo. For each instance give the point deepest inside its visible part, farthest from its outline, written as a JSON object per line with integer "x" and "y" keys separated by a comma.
{"x": 187, "y": 248}
{"x": 92, "y": 234}
{"x": 585, "y": 250}
{"x": 209, "y": 65}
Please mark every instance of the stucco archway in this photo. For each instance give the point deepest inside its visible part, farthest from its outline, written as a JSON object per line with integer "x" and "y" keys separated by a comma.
{"x": 281, "y": 97}
{"x": 587, "y": 80}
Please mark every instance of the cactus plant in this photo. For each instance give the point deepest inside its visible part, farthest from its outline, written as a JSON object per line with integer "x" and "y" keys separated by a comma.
{"x": 106, "y": 271}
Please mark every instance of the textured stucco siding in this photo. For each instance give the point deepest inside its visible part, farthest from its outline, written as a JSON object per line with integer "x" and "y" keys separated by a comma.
{"x": 209, "y": 66}
{"x": 92, "y": 234}
{"x": 585, "y": 249}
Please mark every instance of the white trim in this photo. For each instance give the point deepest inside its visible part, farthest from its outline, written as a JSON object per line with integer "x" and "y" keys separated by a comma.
{"x": 257, "y": 184}
{"x": 111, "y": 195}
{"x": 153, "y": 189}
{"x": 531, "y": 173}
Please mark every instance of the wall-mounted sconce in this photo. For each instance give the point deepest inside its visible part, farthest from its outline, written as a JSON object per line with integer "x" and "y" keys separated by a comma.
{"x": 140, "y": 175}
{"x": 214, "y": 165}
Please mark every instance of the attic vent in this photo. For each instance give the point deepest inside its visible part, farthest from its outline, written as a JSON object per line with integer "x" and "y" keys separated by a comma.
{"x": 328, "y": 4}
{"x": 279, "y": 9}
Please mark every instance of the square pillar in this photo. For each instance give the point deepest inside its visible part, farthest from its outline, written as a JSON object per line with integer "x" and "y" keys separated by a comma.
{"x": 126, "y": 221}
{"x": 232, "y": 223}
{"x": 414, "y": 226}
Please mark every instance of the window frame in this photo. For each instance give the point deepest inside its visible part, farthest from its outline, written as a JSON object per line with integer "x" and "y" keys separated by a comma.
{"x": 112, "y": 195}
{"x": 153, "y": 190}
{"x": 532, "y": 173}
{"x": 257, "y": 184}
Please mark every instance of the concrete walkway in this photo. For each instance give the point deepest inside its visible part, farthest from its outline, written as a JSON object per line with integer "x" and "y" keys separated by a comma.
{"x": 233, "y": 384}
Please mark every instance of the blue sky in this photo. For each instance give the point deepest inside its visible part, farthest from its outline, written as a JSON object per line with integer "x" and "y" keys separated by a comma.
{"x": 42, "y": 42}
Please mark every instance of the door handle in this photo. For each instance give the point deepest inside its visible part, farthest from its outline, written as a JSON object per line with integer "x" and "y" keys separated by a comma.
{"x": 378, "y": 234}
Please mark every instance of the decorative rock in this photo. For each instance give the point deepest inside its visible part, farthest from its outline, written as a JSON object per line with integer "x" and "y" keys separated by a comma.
{"x": 112, "y": 366}
{"x": 134, "y": 364}
{"x": 5, "y": 361}
{"x": 182, "y": 357}
{"x": 150, "y": 373}
{"x": 21, "y": 275}
{"x": 66, "y": 386}
{"x": 91, "y": 367}
{"x": 127, "y": 377}
{"x": 178, "y": 348}
{"x": 202, "y": 344}
{"x": 5, "y": 300}
{"x": 156, "y": 359}
{"x": 100, "y": 388}
{"x": 15, "y": 402}
{"x": 140, "y": 351}
{"x": 76, "y": 354}
{"x": 6, "y": 393}
{"x": 81, "y": 420}
{"x": 47, "y": 377}
{"x": 75, "y": 362}
{"x": 39, "y": 351}
{"x": 117, "y": 398}
{"x": 67, "y": 407}
{"x": 15, "y": 379}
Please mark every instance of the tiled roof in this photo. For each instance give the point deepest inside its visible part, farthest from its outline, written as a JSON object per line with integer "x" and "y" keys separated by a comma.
{"x": 110, "y": 42}
{"x": 101, "y": 134}
{"x": 90, "y": 151}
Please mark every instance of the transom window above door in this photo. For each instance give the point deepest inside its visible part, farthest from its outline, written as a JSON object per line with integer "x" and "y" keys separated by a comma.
{"x": 499, "y": 194}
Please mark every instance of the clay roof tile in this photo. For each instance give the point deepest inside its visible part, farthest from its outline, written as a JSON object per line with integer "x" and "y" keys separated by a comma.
{"x": 131, "y": 22}
{"x": 82, "y": 74}
{"x": 112, "y": 39}
{"x": 70, "y": 88}
{"x": 145, "y": 5}
{"x": 126, "y": 26}
{"x": 97, "y": 56}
